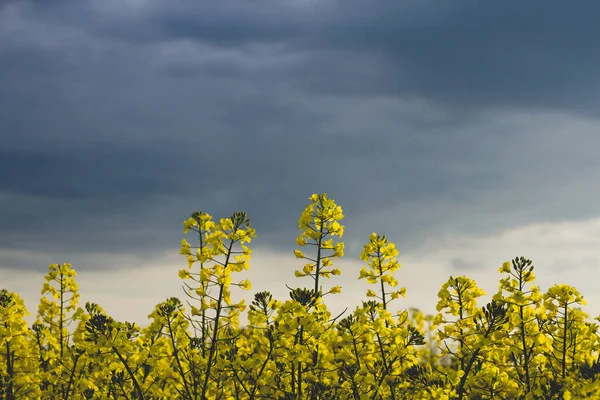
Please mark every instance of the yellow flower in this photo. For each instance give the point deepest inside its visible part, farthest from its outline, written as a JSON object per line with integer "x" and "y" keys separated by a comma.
{"x": 338, "y": 250}
{"x": 184, "y": 274}
{"x": 204, "y": 275}
{"x": 246, "y": 285}
{"x": 567, "y": 395}
{"x": 335, "y": 290}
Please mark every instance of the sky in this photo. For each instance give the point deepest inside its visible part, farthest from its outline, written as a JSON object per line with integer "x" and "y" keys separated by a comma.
{"x": 467, "y": 132}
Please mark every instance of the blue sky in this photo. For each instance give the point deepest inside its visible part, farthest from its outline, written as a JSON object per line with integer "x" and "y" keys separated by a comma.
{"x": 466, "y": 132}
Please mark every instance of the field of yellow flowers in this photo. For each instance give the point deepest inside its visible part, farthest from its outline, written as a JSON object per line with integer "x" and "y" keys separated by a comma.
{"x": 524, "y": 344}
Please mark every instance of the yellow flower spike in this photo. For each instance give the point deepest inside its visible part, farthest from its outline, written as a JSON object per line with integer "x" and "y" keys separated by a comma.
{"x": 317, "y": 221}
{"x": 380, "y": 254}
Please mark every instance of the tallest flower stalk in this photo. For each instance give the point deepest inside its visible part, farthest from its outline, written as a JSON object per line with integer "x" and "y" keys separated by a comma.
{"x": 319, "y": 223}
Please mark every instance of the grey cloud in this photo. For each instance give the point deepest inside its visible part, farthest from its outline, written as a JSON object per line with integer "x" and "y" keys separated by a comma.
{"x": 582, "y": 262}
{"x": 460, "y": 264}
{"x": 476, "y": 54}
{"x": 110, "y": 141}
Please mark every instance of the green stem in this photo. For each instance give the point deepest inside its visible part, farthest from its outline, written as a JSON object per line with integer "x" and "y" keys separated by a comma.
{"x": 262, "y": 368}
{"x": 138, "y": 389}
{"x": 383, "y": 299}
{"x": 318, "y": 263}
{"x": 10, "y": 395}
{"x": 62, "y": 311}
{"x": 564, "y": 349}
{"x": 177, "y": 360}
{"x": 72, "y": 377}
{"x": 523, "y": 342}
{"x": 213, "y": 343}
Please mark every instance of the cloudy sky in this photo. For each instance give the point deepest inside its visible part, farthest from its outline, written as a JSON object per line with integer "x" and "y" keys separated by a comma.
{"x": 465, "y": 131}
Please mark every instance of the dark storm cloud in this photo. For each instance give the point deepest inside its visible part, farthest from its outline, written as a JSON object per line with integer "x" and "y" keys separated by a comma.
{"x": 118, "y": 119}
{"x": 477, "y": 53}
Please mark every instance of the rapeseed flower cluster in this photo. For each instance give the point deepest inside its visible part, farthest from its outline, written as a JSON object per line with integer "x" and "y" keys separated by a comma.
{"x": 524, "y": 344}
